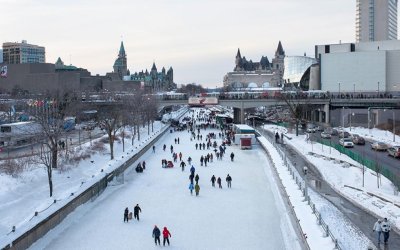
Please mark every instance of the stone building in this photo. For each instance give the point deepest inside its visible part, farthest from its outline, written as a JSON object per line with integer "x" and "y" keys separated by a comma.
{"x": 262, "y": 74}
{"x": 155, "y": 81}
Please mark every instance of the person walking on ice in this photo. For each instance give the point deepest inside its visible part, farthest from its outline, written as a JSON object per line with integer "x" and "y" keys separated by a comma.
{"x": 229, "y": 181}
{"x": 385, "y": 225}
{"x": 154, "y": 149}
{"x": 219, "y": 182}
{"x": 276, "y": 137}
{"x": 136, "y": 211}
{"x": 126, "y": 213}
{"x": 197, "y": 189}
{"x": 378, "y": 229}
{"x": 232, "y": 156}
{"x": 196, "y": 179}
{"x": 213, "y": 181}
{"x": 156, "y": 235}
{"x": 191, "y": 187}
{"x": 166, "y": 235}
{"x": 183, "y": 164}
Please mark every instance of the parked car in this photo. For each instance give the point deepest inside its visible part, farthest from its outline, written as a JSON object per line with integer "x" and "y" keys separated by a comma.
{"x": 325, "y": 135}
{"x": 379, "y": 146}
{"x": 344, "y": 134}
{"x": 319, "y": 128}
{"x": 394, "y": 151}
{"x": 358, "y": 139}
{"x": 311, "y": 128}
{"x": 346, "y": 142}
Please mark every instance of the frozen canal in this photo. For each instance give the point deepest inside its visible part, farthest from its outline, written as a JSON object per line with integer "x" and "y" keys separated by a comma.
{"x": 244, "y": 217}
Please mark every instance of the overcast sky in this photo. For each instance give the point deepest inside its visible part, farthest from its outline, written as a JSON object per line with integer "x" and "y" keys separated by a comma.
{"x": 198, "y": 38}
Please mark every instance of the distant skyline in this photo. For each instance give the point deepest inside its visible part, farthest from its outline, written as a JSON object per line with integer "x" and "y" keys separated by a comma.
{"x": 199, "y": 39}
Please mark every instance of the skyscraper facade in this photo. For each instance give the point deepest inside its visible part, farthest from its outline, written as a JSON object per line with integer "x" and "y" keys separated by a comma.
{"x": 376, "y": 20}
{"x": 17, "y": 53}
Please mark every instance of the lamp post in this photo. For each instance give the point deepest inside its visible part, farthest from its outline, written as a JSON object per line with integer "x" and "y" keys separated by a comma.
{"x": 354, "y": 90}
{"x": 352, "y": 114}
{"x": 343, "y": 119}
{"x": 339, "y": 90}
{"x": 378, "y": 89}
{"x": 394, "y": 127}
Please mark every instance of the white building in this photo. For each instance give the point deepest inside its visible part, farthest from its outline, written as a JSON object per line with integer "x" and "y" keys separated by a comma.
{"x": 360, "y": 67}
{"x": 376, "y": 20}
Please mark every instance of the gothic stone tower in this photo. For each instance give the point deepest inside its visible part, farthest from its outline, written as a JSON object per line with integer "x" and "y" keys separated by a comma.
{"x": 120, "y": 64}
{"x": 278, "y": 64}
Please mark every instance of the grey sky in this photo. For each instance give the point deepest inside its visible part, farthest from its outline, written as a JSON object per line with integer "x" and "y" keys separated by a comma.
{"x": 198, "y": 38}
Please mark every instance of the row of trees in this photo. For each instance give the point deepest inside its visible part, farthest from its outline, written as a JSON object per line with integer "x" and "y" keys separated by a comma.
{"x": 130, "y": 112}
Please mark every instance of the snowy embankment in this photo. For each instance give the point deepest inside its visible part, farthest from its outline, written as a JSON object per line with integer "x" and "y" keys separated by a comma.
{"x": 312, "y": 231}
{"x": 29, "y": 193}
{"x": 345, "y": 176}
{"x": 347, "y": 235}
{"x": 375, "y": 134}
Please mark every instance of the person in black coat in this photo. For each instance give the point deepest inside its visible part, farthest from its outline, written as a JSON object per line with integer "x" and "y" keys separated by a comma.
{"x": 126, "y": 215}
{"x": 229, "y": 181}
{"x": 213, "y": 180}
{"x": 136, "y": 211}
{"x": 219, "y": 182}
{"x": 156, "y": 235}
{"x": 232, "y": 156}
{"x": 191, "y": 177}
{"x": 196, "y": 178}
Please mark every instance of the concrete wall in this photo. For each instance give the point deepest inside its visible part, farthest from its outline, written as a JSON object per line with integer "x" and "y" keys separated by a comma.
{"x": 364, "y": 69}
{"x": 121, "y": 85}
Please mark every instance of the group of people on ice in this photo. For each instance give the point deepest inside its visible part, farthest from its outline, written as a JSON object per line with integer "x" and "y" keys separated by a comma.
{"x": 128, "y": 215}
{"x": 193, "y": 177}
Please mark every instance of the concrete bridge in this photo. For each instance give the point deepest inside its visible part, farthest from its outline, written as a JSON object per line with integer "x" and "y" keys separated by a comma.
{"x": 319, "y": 111}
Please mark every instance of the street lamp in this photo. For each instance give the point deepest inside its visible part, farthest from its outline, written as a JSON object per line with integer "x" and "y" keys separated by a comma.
{"x": 354, "y": 90}
{"x": 378, "y": 89}
{"x": 352, "y": 114}
{"x": 339, "y": 90}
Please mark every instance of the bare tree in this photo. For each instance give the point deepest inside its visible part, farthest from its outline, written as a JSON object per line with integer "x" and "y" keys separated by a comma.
{"x": 296, "y": 108}
{"x": 49, "y": 113}
{"x": 111, "y": 119}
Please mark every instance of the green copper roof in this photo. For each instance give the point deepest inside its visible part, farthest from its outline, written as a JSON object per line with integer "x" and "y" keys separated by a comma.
{"x": 121, "y": 50}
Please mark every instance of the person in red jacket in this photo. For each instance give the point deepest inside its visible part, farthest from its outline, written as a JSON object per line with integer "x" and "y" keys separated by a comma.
{"x": 166, "y": 235}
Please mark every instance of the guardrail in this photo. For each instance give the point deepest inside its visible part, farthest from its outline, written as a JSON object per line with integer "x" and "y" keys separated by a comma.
{"x": 302, "y": 184}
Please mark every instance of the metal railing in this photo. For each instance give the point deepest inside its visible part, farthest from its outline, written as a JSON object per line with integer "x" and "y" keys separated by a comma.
{"x": 302, "y": 184}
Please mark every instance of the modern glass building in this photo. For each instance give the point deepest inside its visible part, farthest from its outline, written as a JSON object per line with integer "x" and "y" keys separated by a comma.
{"x": 376, "y": 20}
{"x": 17, "y": 53}
{"x": 297, "y": 71}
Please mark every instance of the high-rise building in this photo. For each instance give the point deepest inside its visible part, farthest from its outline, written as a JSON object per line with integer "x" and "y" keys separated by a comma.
{"x": 376, "y": 20}
{"x": 1, "y": 55}
{"x": 17, "y": 53}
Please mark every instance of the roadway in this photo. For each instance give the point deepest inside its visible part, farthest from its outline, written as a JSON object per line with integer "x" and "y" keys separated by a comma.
{"x": 388, "y": 162}
{"x": 73, "y": 139}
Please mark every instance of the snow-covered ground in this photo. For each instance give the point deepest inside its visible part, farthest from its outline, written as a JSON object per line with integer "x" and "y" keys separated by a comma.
{"x": 344, "y": 177}
{"x": 375, "y": 134}
{"x": 21, "y": 197}
{"x": 247, "y": 216}
{"x": 251, "y": 215}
